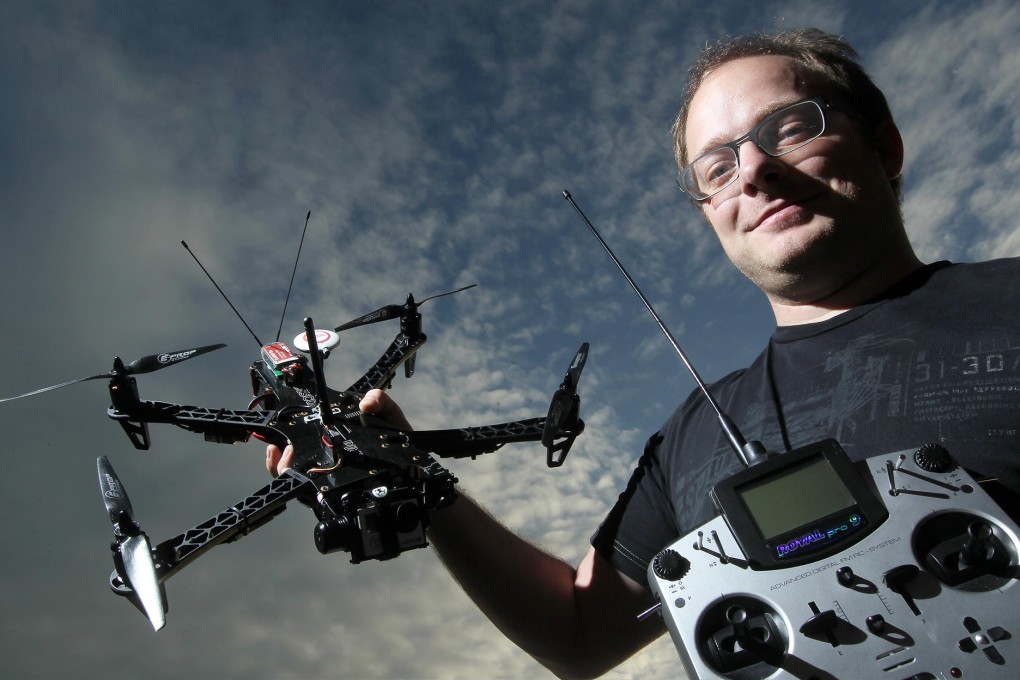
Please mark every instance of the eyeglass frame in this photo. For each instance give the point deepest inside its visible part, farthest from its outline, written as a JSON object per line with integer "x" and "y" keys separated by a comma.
{"x": 823, "y": 105}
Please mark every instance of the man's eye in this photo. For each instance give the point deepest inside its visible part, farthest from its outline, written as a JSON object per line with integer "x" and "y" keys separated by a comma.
{"x": 792, "y": 129}
{"x": 796, "y": 130}
{"x": 790, "y": 132}
{"x": 718, "y": 171}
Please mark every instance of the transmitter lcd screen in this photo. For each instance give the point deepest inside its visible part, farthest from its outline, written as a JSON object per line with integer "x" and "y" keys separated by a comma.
{"x": 795, "y": 497}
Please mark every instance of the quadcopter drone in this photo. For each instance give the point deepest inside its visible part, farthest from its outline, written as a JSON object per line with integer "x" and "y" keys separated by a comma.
{"x": 371, "y": 486}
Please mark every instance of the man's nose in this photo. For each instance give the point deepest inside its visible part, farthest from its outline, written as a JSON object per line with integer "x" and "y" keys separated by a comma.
{"x": 758, "y": 170}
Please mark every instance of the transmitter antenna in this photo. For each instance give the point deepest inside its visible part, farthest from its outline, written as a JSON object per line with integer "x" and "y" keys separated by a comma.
{"x": 291, "y": 286}
{"x": 748, "y": 453}
{"x": 222, "y": 293}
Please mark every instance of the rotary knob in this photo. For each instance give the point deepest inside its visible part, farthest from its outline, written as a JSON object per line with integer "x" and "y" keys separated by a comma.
{"x": 670, "y": 565}
{"x": 933, "y": 458}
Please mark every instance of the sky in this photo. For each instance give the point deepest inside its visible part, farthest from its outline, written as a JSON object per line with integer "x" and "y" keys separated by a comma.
{"x": 431, "y": 142}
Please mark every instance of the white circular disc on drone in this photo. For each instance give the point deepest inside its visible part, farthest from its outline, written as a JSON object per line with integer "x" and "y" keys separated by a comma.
{"x": 326, "y": 340}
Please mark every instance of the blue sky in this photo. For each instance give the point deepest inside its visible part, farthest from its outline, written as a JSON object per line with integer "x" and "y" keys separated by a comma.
{"x": 431, "y": 142}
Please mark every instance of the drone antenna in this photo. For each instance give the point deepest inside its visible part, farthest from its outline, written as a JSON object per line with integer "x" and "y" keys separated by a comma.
{"x": 291, "y": 286}
{"x": 321, "y": 396}
{"x": 222, "y": 293}
{"x": 749, "y": 454}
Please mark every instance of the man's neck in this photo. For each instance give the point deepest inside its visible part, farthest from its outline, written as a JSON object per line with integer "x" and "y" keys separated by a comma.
{"x": 866, "y": 286}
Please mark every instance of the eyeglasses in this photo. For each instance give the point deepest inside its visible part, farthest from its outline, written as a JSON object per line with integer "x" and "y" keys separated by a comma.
{"x": 786, "y": 130}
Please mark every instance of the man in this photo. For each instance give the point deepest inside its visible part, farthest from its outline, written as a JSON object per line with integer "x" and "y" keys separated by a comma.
{"x": 792, "y": 156}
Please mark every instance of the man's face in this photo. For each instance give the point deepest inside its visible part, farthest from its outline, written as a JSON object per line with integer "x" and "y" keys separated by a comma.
{"x": 798, "y": 224}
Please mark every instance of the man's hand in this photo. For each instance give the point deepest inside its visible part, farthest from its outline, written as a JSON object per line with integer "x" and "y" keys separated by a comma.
{"x": 375, "y": 401}
{"x": 379, "y": 403}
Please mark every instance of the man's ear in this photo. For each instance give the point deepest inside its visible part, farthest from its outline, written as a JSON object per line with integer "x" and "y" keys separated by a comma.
{"x": 889, "y": 144}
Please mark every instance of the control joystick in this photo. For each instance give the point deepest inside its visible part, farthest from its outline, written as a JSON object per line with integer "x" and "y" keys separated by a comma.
{"x": 979, "y": 548}
{"x": 972, "y": 552}
{"x": 746, "y": 637}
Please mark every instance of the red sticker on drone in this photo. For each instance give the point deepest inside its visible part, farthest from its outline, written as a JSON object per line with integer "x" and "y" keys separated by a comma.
{"x": 323, "y": 338}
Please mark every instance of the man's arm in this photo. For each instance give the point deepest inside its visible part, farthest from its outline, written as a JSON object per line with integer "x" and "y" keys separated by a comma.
{"x": 576, "y": 622}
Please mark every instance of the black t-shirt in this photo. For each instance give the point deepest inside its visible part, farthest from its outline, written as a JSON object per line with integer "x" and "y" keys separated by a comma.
{"x": 934, "y": 359}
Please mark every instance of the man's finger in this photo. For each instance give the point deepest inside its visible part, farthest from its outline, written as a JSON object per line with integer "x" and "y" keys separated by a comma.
{"x": 277, "y": 462}
{"x": 378, "y": 403}
{"x": 272, "y": 459}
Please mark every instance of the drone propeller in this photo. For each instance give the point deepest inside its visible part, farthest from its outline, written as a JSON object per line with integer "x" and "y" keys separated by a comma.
{"x": 146, "y": 364}
{"x": 563, "y": 420}
{"x": 135, "y": 566}
{"x": 394, "y": 311}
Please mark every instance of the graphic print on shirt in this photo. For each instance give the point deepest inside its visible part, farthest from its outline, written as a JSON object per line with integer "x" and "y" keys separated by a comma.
{"x": 879, "y": 392}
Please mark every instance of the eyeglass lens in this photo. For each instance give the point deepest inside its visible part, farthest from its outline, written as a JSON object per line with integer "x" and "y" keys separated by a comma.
{"x": 780, "y": 133}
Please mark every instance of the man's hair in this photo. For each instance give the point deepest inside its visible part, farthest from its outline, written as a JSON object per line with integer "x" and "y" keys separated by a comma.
{"x": 828, "y": 56}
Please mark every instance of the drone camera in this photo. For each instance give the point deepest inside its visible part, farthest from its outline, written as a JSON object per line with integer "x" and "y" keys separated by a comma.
{"x": 378, "y": 524}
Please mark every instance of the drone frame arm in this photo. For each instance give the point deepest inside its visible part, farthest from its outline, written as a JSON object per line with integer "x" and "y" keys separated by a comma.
{"x": 225, "y": 426}
{"x": 469, "y": 442}
{"x": 400, "y": 352}
{"x": 232, "y": 523}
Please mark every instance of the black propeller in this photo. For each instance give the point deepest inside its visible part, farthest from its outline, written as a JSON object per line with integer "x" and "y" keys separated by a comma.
{"x": 394, "y": 311}
{"x": 147, "y": 364}
{"x": 133, "y": 551}
{"x": 563, "y": 420}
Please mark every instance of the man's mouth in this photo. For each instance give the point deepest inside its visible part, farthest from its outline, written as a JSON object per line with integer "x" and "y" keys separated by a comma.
{"x": 779, "y": 213}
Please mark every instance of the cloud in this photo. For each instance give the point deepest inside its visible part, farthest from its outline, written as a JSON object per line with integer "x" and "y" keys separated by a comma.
{"x": 431, "y": 144}
{"x": 954, "y": 100}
